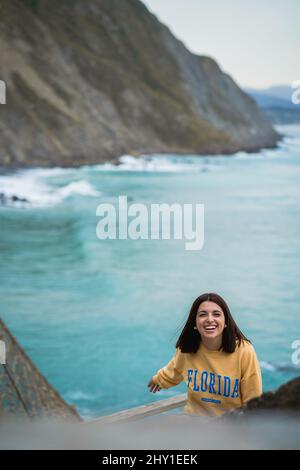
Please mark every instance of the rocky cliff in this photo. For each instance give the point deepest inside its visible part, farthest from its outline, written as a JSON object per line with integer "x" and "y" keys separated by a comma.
{"x": 285, "y": 398}
{"x": 90, "y": 80}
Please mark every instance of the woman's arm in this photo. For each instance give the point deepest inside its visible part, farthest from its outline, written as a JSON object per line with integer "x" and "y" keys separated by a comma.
{"x": 153, "y": 387}
{"x": 251, "y": 381}
{"x": 170, "y": 375}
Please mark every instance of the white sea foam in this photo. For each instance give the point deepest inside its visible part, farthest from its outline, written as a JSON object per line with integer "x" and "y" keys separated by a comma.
{"x": 164, "y": 164}
{"x": 195, "y": 163}
{"x": 77, "y": 187}
{"x": 32, "y": 185}
{"x": 50, "y": 186}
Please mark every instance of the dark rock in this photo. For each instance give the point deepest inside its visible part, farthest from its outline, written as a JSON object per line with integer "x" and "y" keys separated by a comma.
{"x": 286, "y": 399}
{"x": 8, "y": 200}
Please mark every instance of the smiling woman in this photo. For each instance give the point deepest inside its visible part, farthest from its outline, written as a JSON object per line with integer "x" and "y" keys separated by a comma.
{"x": 214, "y": 358}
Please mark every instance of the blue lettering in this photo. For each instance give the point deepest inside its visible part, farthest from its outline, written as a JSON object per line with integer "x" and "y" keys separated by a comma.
{"x": 219, "y": 384}
{"x": 235, "y": 392}
{"x": 196, "y": 387}
{"x": 212, "y": 400}
{"x": 204, "y": 382}
{"x": 190, "y": 374}
{"x": 215, "y": 382}
{"x": 227, "y": 383}
{"x": 212, "y": 383}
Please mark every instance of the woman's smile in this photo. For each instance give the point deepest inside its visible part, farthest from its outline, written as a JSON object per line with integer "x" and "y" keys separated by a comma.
{"x": 210, "y": 327}
{"x": 210, "y": 321}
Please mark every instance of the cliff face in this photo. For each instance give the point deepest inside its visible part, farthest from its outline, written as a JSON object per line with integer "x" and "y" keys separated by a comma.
{"x": 88, "y": 81}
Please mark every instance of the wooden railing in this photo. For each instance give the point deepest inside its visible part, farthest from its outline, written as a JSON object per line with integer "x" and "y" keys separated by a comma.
{"x": 143, "y": 411}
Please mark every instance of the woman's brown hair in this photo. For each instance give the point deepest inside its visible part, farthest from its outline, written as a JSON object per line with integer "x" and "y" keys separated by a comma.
{"x": 190, "y": 339}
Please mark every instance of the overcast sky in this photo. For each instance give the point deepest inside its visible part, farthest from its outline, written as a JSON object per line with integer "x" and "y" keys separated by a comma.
{"x": 256, "y": 41}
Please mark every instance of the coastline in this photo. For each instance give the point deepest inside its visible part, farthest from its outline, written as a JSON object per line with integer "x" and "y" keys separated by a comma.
{"x": 116, "y": 160}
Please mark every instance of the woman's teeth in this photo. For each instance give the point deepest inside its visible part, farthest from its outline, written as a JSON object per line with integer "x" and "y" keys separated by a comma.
{"x": 210, "y": 328}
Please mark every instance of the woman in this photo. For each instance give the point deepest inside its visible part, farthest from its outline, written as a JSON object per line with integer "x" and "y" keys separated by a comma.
{"x": 214, "y": 358}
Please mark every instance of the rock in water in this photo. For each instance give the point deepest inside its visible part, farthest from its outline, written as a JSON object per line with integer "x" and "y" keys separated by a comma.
{"x": 286, "y": 399}
{"x": 10, "y": 200}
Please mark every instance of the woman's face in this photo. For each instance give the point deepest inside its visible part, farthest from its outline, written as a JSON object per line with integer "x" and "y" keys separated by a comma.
{"x": 210, "y": 320}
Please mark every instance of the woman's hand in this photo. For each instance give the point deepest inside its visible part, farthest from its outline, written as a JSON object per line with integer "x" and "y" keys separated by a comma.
{"x": 153, "y": 387}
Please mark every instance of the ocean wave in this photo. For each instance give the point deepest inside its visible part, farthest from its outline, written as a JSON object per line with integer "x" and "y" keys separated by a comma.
{"x": 31, "y": 188}
{"x": 263, "y": 154}
{"x": 163, "y": 163}
{"x": 281, "y": 367}
{"x": 77, "y": 187}
{"x": 189, "y": 163}
{"x": 40, "y": 187}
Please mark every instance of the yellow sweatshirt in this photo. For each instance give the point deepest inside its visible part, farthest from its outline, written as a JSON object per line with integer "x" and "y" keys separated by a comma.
{"x": 216, "y": 381}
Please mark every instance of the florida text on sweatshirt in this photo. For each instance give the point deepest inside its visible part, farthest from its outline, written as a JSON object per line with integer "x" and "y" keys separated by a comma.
{"x": 216, "y": 381}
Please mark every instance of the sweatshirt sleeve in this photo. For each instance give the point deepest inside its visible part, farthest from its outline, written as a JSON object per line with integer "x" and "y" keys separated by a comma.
{"x": 251, "y": 381}
{"x": 171, "y": 374}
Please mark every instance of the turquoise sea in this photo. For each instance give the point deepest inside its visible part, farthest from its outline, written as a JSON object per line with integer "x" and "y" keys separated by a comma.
{"x": 100, "y": 317}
